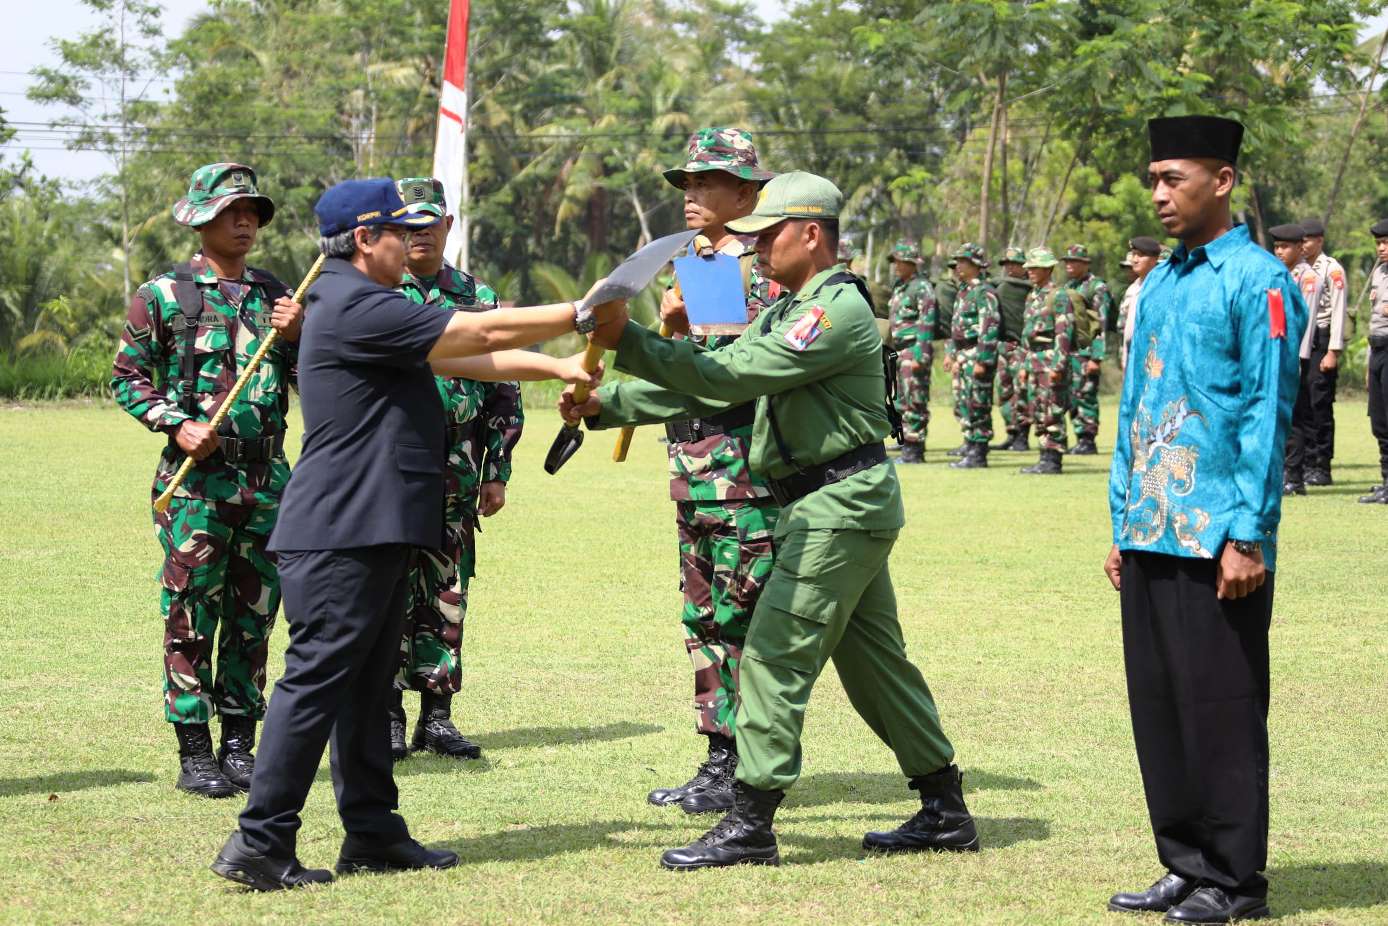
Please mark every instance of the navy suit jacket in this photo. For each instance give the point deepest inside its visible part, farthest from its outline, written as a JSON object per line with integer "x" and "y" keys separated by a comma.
{"x": 371, "y": 471}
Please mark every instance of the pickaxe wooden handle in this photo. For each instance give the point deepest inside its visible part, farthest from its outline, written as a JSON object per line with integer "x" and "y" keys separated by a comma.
{"x": 161, "y": 503}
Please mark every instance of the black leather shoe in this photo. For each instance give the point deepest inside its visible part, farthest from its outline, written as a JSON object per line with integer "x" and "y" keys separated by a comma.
{"x": 236, "y": 862}
{"x": 1293, "y": 488}
{"x": 720, "y": 752}
{"x": 743, "y": 837}
{"x": 976, "y": 457}
{"x": 1378, "y": 495}
{"x": 199, "y": 772}
{"x": 942, "y": 824}
{"x": 1215, "y": 905}
{"x": 434, "y": 731}
{"x": 718, "y": 795}
{"x": 358, "y": 855}
{"x": 235, "y": 757}
{"x": 1048, "y": 465}
{"x": 1319, "y": 476}
{"x": 1168, "y": 891}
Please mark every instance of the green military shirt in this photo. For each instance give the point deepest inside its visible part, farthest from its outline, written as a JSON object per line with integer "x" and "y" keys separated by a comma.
{"x": 976, "y": 321}
{"x": 147, "y": 379}
{"x": 1049, "y": 325}
{"x": 818, "y": 356}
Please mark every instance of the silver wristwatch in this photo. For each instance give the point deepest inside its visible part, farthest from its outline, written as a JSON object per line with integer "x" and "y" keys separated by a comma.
{"x": 1247, "y": 547}
{"x": 584, "y": 319}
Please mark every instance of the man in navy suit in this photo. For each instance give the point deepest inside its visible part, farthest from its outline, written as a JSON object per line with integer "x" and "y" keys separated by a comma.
{"x": 367, "y": 491}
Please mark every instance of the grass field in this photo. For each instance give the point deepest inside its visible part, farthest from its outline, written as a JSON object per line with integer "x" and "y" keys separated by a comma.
{"x": 577, "y": 686}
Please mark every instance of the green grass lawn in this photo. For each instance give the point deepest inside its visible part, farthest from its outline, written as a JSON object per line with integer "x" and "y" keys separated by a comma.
{"x": 576, "y": 684}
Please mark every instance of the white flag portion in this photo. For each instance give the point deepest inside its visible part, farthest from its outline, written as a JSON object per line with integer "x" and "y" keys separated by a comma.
{"x": 450, "y": 147}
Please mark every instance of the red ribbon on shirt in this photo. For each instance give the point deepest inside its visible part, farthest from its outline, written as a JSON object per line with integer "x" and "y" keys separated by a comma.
{"x": 1277, "y": 315}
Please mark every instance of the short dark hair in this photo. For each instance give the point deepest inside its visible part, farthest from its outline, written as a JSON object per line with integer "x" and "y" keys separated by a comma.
{"x": 344, "y": 243}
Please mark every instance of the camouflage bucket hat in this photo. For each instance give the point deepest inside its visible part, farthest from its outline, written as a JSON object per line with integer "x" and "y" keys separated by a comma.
{"x": 1040, "y": 258}
{"x": 727, "y": 149}
{"x": 1013, "y": 256}
{"x": 846, "y": 250}
{"x": 1077, "y": 252}
{"x": 973, "y": 253}
{"x": 906, "y": 251}
{"x": 422, "y": 196}
{"x": 216, "y": 186}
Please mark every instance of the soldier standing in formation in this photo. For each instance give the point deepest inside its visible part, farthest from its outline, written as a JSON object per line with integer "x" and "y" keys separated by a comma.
{"x": 1378, "y": 361}
{"x": 1143, "y": 255}
{"x": 847, "y": 253}
{"x": 187, "y": 333}
{"x": 974, "y": 336}
{"x": 946, "y": 291}
{"x": 1326, "y": 293}
{"x": 1288, "y": 247}
{"x": 912, "y": 308}
{"x": 1012, "y": 290}
{"x": 1047, "y": 331}
{"x": 484, "y": 424}
{"x": 1091, "y": 338}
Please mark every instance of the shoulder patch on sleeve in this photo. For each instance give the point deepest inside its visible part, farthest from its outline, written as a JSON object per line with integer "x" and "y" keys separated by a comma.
{"x": 1277, "y": 315}
{"x": 808, "y": 329}
{"x": 1337, "y": 278}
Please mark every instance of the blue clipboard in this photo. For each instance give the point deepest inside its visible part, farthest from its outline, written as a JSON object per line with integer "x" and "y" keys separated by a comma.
{"x": 713, "y": 294}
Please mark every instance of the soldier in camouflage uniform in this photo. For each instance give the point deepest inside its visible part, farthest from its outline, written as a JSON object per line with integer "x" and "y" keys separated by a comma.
{"x": 912, "y": 314}
{"x": 484, "y": 424}
{"x": 946, "y": 291}
{"x": 974, "y": 332}
{"x": 1087, "y": 362}
{"x": 187, "y": 335}
{"x": 847, "y": 252}
{"x": 1046, "y": 331}
{"x": 1013, "y": 289}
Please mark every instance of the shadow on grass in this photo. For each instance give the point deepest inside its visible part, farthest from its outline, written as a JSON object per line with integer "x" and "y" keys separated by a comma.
{"x": 1333, "y": 885}
{"x": 993, "y": 832}
{"x": 886, "y": 788}
{"x": 72, "y": 781}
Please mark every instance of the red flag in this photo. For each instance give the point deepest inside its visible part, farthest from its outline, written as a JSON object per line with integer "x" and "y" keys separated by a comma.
{"x": 1277, "y": 315}
{"x": 448, "y": 143}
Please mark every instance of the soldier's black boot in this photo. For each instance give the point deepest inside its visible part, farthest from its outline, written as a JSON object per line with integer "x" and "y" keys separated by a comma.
{"x": 958, "y": 451}
{"x": 976, "y": 457}
{"x": 1007, "y": 442}
{"x": 720, "y": 753}
{"x": 1378, "y": 495}
{"x": 912, "y": 452}
{"x": 1048, "y": 465}
{"x": 434, "y": 731}
{"x": 1084, "y": 446}
{"x": 235, "y": 757}
{"x": 199, "y": 772}
{"x": 743, "y": 837}
{"x": 717, "y": 795}
{"x": 1020, "y": 444}
{"x": 398, "y": 748}
{"x": 942, "y": 824}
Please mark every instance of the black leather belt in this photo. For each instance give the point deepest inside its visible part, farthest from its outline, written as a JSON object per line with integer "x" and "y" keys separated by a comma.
{"x": 1378, "y": 342}
{"x": 791, "y": 488}
{"x": 697, "y": 429}
{"x": 238, "y": 451}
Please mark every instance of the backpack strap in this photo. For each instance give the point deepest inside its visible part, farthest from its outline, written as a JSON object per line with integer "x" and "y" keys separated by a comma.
{"x": 189, "y": 299}
{"x": 891, "y": 360}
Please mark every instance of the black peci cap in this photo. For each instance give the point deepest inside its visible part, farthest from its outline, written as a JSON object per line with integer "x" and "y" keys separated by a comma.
{"x": 1314, "y": 228}
{"x": 1289, "y": 232}
{"x": 1174, "y": 137}
{"x": 1145, "y": 245}
{"x": 1379, "y": 229}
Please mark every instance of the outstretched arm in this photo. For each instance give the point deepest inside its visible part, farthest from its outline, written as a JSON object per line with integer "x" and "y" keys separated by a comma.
{"x": 511, "y": 365}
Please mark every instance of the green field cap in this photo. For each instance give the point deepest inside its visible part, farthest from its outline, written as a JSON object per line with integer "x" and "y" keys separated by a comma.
{"x": 1014, "y": 256}
{"x": 214, "y": 187}
{"x": 973, "y": 253}
{"x": 905, "y": 250}
{"x": 423, "y": 196}
{"x": 796, "y": 195}
{"x": 1041, "y": 258}
{"x": 1077, "y": 252}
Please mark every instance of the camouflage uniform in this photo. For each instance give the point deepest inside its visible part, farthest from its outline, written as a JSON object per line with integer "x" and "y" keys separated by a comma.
{"x": 1046, "y": 330}
{"x": 485, "y": 422}
{"x": 1012, "y": 352}
{"x": 218, "y": 580}
{"x": 1084, "y": 406}
{"x": 974, "y": 333}
{"x": 912, "y": 313}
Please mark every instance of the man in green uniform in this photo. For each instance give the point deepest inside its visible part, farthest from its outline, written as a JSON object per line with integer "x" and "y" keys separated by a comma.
{"x": 1091, "y": 336}
{"x": 974, "y": 334}
{"x": 1047, "y": 332}
{"x": 813, "y": 364}
{"x": 1013, "y": 289}
{"x": 912, "y": 312}
{"x": 187, "y": 335}
{"x": 484, "y": 424}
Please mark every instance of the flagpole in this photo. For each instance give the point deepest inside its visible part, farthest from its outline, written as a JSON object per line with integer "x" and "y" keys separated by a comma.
{"x": 465, "y": 252}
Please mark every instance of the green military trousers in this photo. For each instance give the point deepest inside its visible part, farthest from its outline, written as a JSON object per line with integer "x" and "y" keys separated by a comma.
{"x": 830, "y": 596}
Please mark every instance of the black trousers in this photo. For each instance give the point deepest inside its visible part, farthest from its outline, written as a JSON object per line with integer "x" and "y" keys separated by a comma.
{"x": 346, "y": 611}
{"x": 1320, "y": 428}
{"x": 1294, "y": 466}
{"x": 1378, "y": 403}
{"x": 1198, "y": 691}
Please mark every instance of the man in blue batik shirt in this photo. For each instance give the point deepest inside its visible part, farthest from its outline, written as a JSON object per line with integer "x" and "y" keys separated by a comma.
{"x": 1196, "y": 495}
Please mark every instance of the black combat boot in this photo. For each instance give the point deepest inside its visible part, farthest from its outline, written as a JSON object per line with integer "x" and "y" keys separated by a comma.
{"x": 1048, "y": 465}
{"x": 721, "y": 752}
{"x": 942, "y": 824}
{"x": 958, "y": 451}
{"x": 743, "y": 837}
{"x": 717, "y": 795}
{"x": 976, "y": 457}
{"x": 1020, "y": 444}
{"x": 1007, "y": 442}
{"x": 1084, "y": 446}
{"x": 235, "y": 757}
{"x": 912, "y": 452}
{"x": 1319, "y": 475}
{"x": 434, "y": 732}
{"x": 1378, "y": 495}
{"x": 199, "y": 772}
{"x": 398, "y": 749}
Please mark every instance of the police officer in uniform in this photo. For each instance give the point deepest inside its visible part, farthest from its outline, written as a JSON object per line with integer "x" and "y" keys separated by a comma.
{"x": 813, "y": 364}
{"x": 1288, "y": 247}
{"x": 1378, "y": 361}
{"x": 1326, "y": 292}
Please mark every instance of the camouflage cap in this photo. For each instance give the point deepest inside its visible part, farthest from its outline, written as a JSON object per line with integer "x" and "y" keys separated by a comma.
{"x": 216, "y": 186}
{"x": 423, "y": 196}
{"x": 906, "y": 250}
{"x": 846, "y": 250}
{"x": 1077, "y": 252}
{"x": 727, "y": 149}
{"x": 1041, "y": 258}
{"x": 1013, "y": 255}
{"x": 973, "y": 253}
